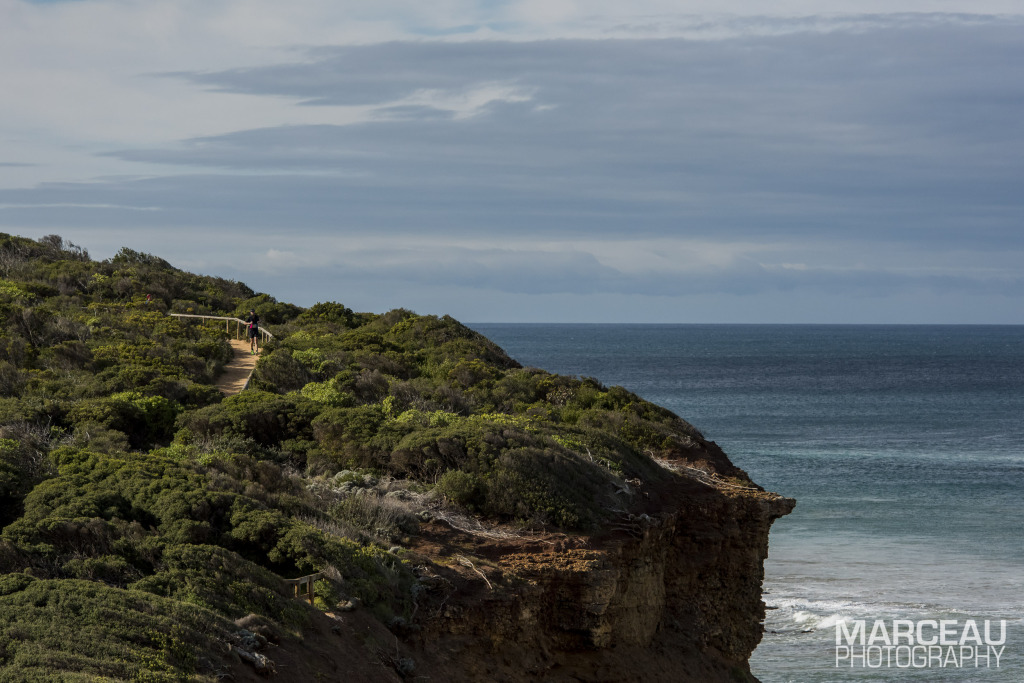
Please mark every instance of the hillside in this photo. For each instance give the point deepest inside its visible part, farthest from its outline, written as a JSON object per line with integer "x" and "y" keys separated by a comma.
{"x": 468, "y": 518}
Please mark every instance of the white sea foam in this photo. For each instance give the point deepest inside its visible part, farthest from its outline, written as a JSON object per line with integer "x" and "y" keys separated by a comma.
{"x": 789, "y": 614}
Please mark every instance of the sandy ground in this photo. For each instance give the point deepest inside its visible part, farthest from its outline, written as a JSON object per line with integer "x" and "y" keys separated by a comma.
{"x": 236, "y": 373}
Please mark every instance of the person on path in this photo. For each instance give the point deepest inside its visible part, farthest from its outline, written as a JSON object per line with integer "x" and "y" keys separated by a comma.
{"x": 254, "y": 332}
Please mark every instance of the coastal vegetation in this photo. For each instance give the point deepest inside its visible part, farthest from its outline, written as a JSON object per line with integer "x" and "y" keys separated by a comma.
{"x": 143, "y": 513}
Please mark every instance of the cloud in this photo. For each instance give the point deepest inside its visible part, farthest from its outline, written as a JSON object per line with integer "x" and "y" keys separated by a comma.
{"x": 527, "y": 148}
{"x": 665, "y": 268}
{"x": 884, "y": 133}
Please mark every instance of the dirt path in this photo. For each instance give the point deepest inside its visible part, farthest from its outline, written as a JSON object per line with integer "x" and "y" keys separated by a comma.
{"x": 236, "y": 373}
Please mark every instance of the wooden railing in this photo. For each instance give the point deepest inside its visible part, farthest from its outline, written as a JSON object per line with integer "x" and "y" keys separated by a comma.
{"x": 303, "y": 586}
{"x": 240, "y": 325}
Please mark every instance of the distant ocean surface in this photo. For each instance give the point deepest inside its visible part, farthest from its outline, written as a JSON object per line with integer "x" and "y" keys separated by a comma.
{"x": 903, "y": 445}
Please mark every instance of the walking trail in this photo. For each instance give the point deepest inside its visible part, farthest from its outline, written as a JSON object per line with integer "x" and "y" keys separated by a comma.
{"x": 236, "y": 373}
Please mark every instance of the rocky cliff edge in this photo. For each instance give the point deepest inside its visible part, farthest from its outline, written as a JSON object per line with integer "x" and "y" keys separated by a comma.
{"x": 670, "y": 591}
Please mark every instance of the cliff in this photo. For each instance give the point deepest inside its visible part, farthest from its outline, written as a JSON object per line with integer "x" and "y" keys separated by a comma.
{"x": 463, "y": 517}
{"x": 670, "y": 592}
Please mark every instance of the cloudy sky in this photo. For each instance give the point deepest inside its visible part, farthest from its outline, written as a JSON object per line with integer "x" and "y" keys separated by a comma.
{"x": 536, "y": 160}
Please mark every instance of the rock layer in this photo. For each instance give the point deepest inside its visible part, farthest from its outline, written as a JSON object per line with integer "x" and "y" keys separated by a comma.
{"x": 671, "y": 593}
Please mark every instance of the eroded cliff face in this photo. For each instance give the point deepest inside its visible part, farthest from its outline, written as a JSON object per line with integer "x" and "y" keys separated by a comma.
{"x": 669, "y": 591}
{"x": 672, "y": 592}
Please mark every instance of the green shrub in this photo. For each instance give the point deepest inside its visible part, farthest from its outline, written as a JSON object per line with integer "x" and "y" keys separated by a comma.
{"x": 15, "y": 480}
{"x": 346, "y": 432}
{"x": 270, "y": 310}
{"x": 145, "y": 420}
{"x": 83, "y": 630}
{"x": 266, "y": 418}
{"x": 220, "y": 580}
{"x": 279, "y": 372}
{"x": 550, "y": 487}
{"x": 329, "y": 312}
{"x": 461, "y": 488}
{"x": 328, "y": 394}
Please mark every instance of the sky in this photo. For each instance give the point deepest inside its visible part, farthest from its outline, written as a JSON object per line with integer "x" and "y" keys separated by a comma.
{"x": 800, "y": 161}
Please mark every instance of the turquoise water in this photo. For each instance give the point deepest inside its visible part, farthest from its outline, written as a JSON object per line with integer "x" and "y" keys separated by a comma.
{"x": 903, "y": 445}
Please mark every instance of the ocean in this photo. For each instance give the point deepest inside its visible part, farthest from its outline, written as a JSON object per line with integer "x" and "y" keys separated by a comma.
{"x": 904, "y": 447}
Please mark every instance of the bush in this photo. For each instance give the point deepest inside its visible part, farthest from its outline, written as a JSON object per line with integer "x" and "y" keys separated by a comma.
{"x": 270, "y": 310}
{"x": 83, "y": 630}
{"x": 329, "y": 312}
{"x": 549, "y": 487}
{"x": 279, "y": 372}
{"x": 266, "y": 418}
{"x": 145, "y": 420}
{"x": 16, "y": 479}
{"x": 461, "y": 488}
{"x": 220, "y": 580}
{"x": 344, "y": 434}
{"x": 12, "y": 380}
{"x": 328, "y": 394}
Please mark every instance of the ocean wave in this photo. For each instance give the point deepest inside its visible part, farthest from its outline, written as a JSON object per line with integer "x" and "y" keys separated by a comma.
{"x": 788, "y": 615}
{"x": 805, "y": 616}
